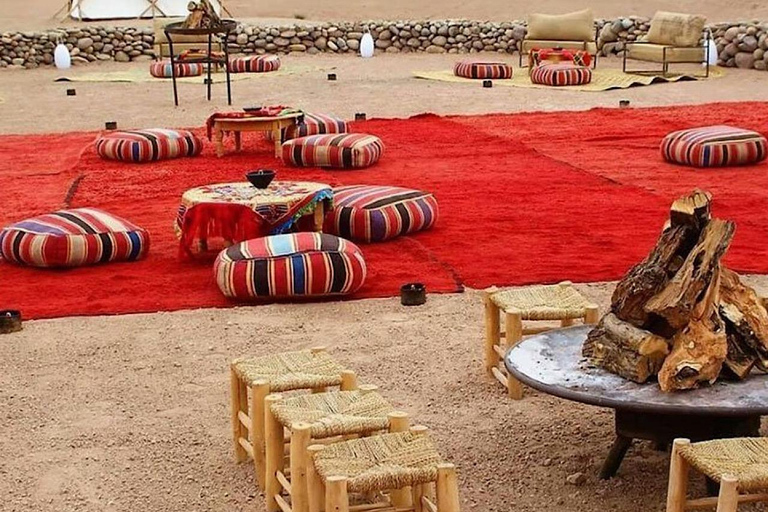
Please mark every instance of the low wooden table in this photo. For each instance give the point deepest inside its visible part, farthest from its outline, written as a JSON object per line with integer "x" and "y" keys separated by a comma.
{"x": 552, "y": 363}
{"x": 252, "y": 124}
{"x": 236, "y": 212}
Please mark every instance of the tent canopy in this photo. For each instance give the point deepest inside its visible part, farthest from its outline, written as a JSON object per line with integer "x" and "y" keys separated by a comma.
{"x": 117, "y": 9}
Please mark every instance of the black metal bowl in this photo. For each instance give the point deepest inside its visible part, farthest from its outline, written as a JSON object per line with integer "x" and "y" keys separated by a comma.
{"x": 261, "y": 178}
{"x": 413, "y": 294}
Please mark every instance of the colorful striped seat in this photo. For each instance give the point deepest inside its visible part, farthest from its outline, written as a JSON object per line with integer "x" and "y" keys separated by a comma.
{"x": 561, "y": 74}
{"x": 314, "y": 124}
{"x": 148, "y": 145}
{"x": 291, "y": 265}
{"x": 714, "y": 146}
{"x": 72, "y": 238}
{"x": 346, "y": 151}
{"x": 484, "y": 70}
{"x": 373, "y": 213}
{"x": 254, "y": 64}
{"x": 162, "y": 69}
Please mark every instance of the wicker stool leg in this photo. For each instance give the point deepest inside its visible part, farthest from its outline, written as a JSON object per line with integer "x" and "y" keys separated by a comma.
{"x": 275, "y": 453}
{"x": 399, "y": 422}
{"x": 591, "y": 314}
{"x": 348, "y": 381}
{"x": 300, "y": 439}
{"x": 678, "y": 478}
{"x": 336, "y": 497}
{"x": 514, "y": 333}
{"x": 238, "y": 429}
{"x": 492, "y": 332}
{"x": 259, "y": 392}
{"x": 315, "y": 486}
{"x": 447, "y": 488}
{"x": 728, "y": 500}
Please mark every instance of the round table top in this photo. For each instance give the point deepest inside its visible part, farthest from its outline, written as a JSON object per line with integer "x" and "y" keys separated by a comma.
{"x": 178, "y": 28}
{"x": 552, "y": 362}
{"x": 243, "y": 193}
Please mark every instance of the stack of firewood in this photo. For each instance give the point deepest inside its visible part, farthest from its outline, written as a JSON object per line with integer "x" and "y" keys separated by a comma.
{"x": 201, "y": 15}
{"x": 680, "y": 315}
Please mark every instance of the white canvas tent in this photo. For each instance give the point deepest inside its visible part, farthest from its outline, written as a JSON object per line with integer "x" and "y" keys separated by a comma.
{"x": 122, "y": 9}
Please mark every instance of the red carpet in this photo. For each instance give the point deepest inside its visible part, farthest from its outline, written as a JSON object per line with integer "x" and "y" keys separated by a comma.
{"x": 525, "y": 198}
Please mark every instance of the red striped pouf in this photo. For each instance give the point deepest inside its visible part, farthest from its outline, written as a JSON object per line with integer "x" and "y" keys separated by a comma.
{"x": 377, "y": 213}
{"x": 72, "y": 238}
{"x": 484, "y": 70}
{"x": 314, "y": 124}
{"x": 714, "y": 146}
{"x": 254, "y": 64}
{"x": 290, "y": 265}
{"x": 346, "y": 151}
{"x": 148, "y": 145}
{"x": 561, "y": 74}
{"x": 162, "y": 69}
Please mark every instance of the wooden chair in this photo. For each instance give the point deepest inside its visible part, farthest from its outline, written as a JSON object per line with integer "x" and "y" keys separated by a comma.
{"x": 252, "y": 379}
{"x": 538, "y": 303}
{"x": 740, "y": 465}
{"x": 397, "y": 471}
{"x": 323, "y": 418}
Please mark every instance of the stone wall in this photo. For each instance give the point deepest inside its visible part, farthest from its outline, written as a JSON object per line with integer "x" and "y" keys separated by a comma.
{"x": 744, "y": 45}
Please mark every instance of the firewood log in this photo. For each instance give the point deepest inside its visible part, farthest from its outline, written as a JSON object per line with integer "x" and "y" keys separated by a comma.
{"x": 624, "y": 349}
{"x": 700, "y": 348}
{"x": 746, "y": 323}
{"x": 691, "y": 210}
{"x": 681, "y": 295}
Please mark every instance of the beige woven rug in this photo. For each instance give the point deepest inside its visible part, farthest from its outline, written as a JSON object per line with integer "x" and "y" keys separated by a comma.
{"x": 602, "y": 79}
{"x": 141, "y": 74}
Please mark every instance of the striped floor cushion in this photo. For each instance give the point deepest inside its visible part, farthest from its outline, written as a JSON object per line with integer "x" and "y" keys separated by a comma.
{"x": 314, "y": 124}
{"x": 714, "y": 146}
{"x": 346, "y": 151}
{"x": 162, "y": 69}
{"x": 373, "y": 213}
{"x": 486, "y": 70}
{"x": 291, "y": 265}
{"x": 561, "y": 74}
{"x": 148, "y": 145}
{"x": 254, "y": 64}
{"x": 72, "y": 238}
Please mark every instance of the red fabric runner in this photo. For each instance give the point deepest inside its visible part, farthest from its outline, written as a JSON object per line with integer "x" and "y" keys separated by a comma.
{"x": 527, "y": 198}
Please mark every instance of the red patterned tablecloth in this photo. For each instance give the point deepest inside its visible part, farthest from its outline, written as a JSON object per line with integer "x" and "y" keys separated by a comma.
{"x": 239, "y": 211}
{"x": 577, "y": 57}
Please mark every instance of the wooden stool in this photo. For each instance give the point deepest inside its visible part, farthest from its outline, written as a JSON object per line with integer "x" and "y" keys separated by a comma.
{"x": 307, "y": 369}
{"x": 553, "y": 302}
{"x": 739, "y": 465}
{"x": 406, "y": 464}
{"x": 325, "y": 418}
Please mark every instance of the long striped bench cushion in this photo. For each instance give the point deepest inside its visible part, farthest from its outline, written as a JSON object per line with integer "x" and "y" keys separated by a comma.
{"x": 368, "y": 213}
{"x": 485, "y": 70}
{"x": 71, "y": 238}
{"x": 254, "y": 64}
{"x": 162, "y": 69}
{"x": 291, "y": 265}
{"x": 314, "y": 124}
{"x": 714, "y": 146}
{"x": 561, "y": 74}
{"x": 148, "y": 145}
{"x": 346, "y": 151}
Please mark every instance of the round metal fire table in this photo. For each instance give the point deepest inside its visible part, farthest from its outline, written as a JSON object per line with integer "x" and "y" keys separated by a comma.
{"x": 552, "y": 363}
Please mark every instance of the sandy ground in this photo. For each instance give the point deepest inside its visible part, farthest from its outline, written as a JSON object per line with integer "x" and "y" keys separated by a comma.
{"x": 131, "y": 413}
{"x": 39, "y": 13}
{"x": 363, "y": 85}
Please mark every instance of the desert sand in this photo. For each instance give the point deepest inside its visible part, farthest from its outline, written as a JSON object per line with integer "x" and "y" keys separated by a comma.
{"x": 131, "y": 412}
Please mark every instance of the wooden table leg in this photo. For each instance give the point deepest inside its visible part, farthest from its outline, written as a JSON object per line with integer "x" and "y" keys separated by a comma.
{"x": 277, "y": 136}
{"x": 319, "y": 216}
{"x": 219, "y": 139}
{"x": 238, "y": 145}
